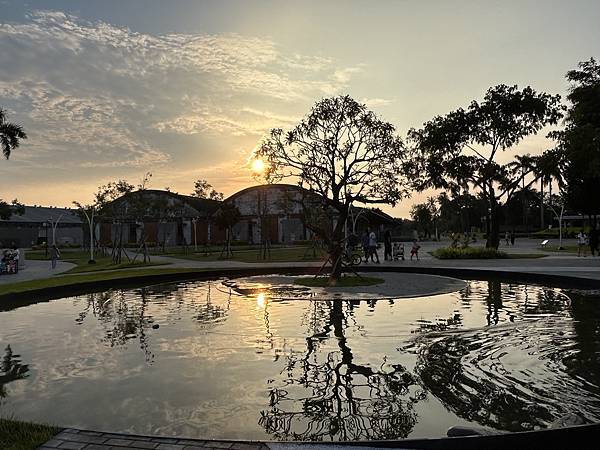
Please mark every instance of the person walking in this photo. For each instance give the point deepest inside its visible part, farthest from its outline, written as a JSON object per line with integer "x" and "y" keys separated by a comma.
{"x": 373, "y": 246}
{"x": 593, "y": 237}
{"x": 387, "y": 245}
{"x": 506, "y": 238}
{"x": 54, "y": 255}
{"x": 581, "y": 238}
{"x": 512, "y": 238}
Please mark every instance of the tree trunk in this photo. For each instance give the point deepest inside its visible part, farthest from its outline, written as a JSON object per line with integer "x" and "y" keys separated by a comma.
{"x": 335, "y": 253}
{"x": 493, "y": 239}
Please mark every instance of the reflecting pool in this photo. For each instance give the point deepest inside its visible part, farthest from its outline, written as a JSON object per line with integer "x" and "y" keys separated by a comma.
{"x": 202, "y": 359}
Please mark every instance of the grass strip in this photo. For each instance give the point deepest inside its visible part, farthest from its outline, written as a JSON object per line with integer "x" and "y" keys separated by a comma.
{"x": 74, "y": 279}
{"x": 17, "y": 435}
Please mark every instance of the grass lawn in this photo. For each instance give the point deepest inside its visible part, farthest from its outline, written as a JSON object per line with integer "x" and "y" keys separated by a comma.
{"x": 525, "y": 255}
{"x": 278, "y": 254}
{"x": 566, "y": 249}
{"x": 75, "y": 279}
{"x": 15, "y": 435}
{"x": 81, "y": 259}
{"x": 346, "y": 281}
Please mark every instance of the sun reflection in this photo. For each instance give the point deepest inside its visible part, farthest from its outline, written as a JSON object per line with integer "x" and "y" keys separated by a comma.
{"x": 258, "y": 166}
{"x": 261, "y": 301}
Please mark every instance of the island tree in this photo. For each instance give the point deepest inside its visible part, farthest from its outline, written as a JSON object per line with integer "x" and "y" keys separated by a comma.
{"x": 460, "y": 150}
{"x": 10, "y": 135}
{"x": 343, "y": 154}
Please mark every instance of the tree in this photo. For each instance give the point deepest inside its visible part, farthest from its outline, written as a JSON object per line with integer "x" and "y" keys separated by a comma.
{"x": 10, "y": 135}
{"x": 9, "y": 209}
{"x": 88, "y": 212}
{"x": 343, "y": 153}
{"x": 203, "y": 189}
{"x": 579, "y": 142}
{"x": 458, "y": 151}
{"x": 421, "y": 215}
{"x": 104, "y": 199}
{"x": 227, "y": 216}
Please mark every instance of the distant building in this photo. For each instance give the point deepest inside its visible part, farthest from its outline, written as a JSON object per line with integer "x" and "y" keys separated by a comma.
{"x": 35, "y": 227}
{"x": 274, "y": 212}
{"x": 271, "y": 211}
{"x": 162, "y": 217}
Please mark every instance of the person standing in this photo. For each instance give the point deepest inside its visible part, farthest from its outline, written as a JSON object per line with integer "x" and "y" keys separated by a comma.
{"x": 506, "y": 238}
{"x": 387, "y": 244}
{"x": 365, "y": 245}
{"x": 581, "y": 238}
{"x": 414, "y": 251}
{"x": 594, "y": 241}
{"x": 54, "y": 255}
{"x": 373, "y": 246}
{"x": 512, "y": 238}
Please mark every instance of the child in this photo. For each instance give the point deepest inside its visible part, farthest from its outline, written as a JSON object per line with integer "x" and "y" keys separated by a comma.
{"x": 398, "y": 251}
{"x": 415, "y": 250}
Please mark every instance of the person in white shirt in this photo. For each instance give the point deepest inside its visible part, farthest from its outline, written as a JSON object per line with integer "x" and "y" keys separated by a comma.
{"x": 581, "y": 243}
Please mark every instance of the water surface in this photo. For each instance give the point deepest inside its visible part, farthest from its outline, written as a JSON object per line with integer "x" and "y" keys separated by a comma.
{"x": 198, "y": 359}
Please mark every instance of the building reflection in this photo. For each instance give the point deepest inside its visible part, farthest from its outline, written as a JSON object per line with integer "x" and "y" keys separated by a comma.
{"x": 328, "y": 395}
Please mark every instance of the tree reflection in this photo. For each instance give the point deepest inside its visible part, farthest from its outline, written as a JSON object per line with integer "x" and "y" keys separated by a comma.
{"x": 127, "y": 315}
{"x": 328, "y": 395}
{"x": 11, "y": 369}
{"x": 494, "y": 302}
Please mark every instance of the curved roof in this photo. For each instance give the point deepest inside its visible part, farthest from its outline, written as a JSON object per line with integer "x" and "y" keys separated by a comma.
{"x": 262, "y": 186}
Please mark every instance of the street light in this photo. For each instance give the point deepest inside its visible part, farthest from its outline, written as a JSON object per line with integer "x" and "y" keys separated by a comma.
{"x": 45, "y": 225}
{"x": 194, "y": 221}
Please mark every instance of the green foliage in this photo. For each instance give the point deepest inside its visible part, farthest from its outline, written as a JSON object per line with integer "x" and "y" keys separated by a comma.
{"x": 10, "y": 135}
{"x": 16, "y": 435}
{"x": 458, "y": 151}
{"x": 468, "y": 253}
{"x": 9, "y": 209}
{"x": 203, "y": 189}
{"x": 579, "y": 142}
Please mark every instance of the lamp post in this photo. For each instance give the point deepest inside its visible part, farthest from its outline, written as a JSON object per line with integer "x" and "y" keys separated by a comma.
{"x": 45, "y": 225}
{"x": 194, "y": 221}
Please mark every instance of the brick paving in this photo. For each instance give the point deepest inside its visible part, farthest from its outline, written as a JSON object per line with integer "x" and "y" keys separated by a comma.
{"x": 94, "y": 440}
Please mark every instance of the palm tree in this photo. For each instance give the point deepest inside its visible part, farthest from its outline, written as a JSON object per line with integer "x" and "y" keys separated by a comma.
{"x": 10, "y": 134}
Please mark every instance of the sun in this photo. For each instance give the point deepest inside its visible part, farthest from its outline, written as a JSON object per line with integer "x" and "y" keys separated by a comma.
{"x": 258, "y": 166}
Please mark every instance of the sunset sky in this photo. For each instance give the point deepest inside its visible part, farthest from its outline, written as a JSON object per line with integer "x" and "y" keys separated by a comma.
{"x": 186, "y": 89}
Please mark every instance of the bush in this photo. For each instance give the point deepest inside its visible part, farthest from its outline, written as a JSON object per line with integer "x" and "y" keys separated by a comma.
{"x": 468, "y": 253}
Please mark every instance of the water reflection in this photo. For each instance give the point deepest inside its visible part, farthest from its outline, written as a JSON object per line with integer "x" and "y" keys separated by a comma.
{"x": 184, "y": 358}
{"x": 331, "y": 396}
{"x": 512, "y": 377}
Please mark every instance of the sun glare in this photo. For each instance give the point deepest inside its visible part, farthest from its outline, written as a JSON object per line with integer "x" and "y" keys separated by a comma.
{"x": 258, "y": 166}
{"x": 261, "y": 301}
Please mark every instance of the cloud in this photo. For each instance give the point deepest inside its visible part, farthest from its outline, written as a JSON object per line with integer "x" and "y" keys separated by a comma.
{"x": 92, "y": 95}
{"x": 374, "y": 102}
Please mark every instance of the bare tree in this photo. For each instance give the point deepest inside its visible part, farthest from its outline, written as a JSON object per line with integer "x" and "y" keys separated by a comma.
{"x": 343, "y": 153}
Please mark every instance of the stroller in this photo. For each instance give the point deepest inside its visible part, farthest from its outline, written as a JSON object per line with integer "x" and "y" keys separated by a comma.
{"x": 398, "y": 251}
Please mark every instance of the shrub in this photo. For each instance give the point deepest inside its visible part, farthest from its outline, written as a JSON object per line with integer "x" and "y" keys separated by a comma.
{"x": 468, "y": 253}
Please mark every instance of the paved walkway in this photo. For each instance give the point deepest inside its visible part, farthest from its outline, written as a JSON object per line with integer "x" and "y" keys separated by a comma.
{"x": 551, "y": 263}
{"x": 93, "y": 440}
{"x": 35, "y": 270}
